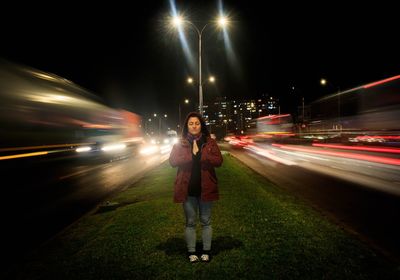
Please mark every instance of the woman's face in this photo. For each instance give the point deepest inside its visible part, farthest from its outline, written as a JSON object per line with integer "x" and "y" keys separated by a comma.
{"x": 194, "y": 126}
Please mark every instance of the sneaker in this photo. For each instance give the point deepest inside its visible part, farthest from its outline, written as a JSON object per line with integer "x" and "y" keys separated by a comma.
{"x": 193, "y": 258}
{"x": 205, "y": 257}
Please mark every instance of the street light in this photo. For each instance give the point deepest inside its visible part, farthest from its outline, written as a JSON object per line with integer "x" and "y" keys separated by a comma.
{"x": 178, "y": 21}
{"x": 211, "y": 79}
{"x": 159, "y": 122}
{"x": 179, "y": 107}
{"x": 146, "y": 126}
{"x": 226, "y": 127}
{"x": 324, "y": 82}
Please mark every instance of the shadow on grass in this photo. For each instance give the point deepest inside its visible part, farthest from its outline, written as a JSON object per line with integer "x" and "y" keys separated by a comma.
{"x": 177, "y": 246}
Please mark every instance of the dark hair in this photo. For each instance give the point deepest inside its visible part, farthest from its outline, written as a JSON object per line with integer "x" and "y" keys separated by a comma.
{"x": 204, "y": 129}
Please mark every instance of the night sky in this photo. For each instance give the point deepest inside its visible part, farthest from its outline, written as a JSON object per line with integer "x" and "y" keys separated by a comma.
{"x": 131, "y": 59}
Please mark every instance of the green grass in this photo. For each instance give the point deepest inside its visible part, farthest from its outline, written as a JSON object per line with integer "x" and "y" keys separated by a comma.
{"x": 260, "y": 232}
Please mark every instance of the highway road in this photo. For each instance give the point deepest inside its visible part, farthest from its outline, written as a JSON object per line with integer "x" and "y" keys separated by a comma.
{"x": 360, "y": 196}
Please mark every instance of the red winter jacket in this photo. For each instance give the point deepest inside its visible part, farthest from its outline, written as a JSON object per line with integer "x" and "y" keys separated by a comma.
{"x": 181, "y": 157}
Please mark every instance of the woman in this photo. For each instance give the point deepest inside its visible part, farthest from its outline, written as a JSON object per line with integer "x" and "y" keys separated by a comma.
{"x": 196, "y": 155}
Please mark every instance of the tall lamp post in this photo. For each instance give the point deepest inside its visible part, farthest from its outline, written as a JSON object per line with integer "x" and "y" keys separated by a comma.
{"x": 211, "y": 79}
{"x": 178, "y": 21}
{"x": 159, "y": 122}
{"x": 324, "y": 82}
{"x": 180, "y": 119}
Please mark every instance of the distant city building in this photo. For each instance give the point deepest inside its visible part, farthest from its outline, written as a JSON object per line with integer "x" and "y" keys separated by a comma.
{"x": 233, "y": 116}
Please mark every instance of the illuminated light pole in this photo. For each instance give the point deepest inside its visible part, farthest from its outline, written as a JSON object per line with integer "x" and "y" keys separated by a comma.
{"x": 180, "y": 118}
{"x": 324, "y": 82}
{"x": 211, "y": 79}
{"x": 177, "y": 21}
{"x": 146, "y": 125}
{"x": 159, "y": 122}
{"x": 226, "y": 127}
{"x": 165, "y": 116}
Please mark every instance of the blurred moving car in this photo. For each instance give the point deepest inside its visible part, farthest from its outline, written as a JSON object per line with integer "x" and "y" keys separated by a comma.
{"x": 40, "y": 110}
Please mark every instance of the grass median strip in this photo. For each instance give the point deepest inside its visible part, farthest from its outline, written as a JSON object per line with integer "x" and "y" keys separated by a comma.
{"x": 259, "y": 232}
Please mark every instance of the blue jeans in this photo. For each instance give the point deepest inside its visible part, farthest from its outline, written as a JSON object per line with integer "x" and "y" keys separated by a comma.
{"x": 190, "y": 207}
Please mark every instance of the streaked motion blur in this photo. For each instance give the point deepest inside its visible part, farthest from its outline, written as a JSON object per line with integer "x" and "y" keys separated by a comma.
{"x": 353, "y": 135}
{"x": 62, "y": 152}
{"x": 42, "y": 112}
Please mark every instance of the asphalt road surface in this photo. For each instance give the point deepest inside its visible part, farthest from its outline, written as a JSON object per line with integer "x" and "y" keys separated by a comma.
{"x": 46, "y": 194}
